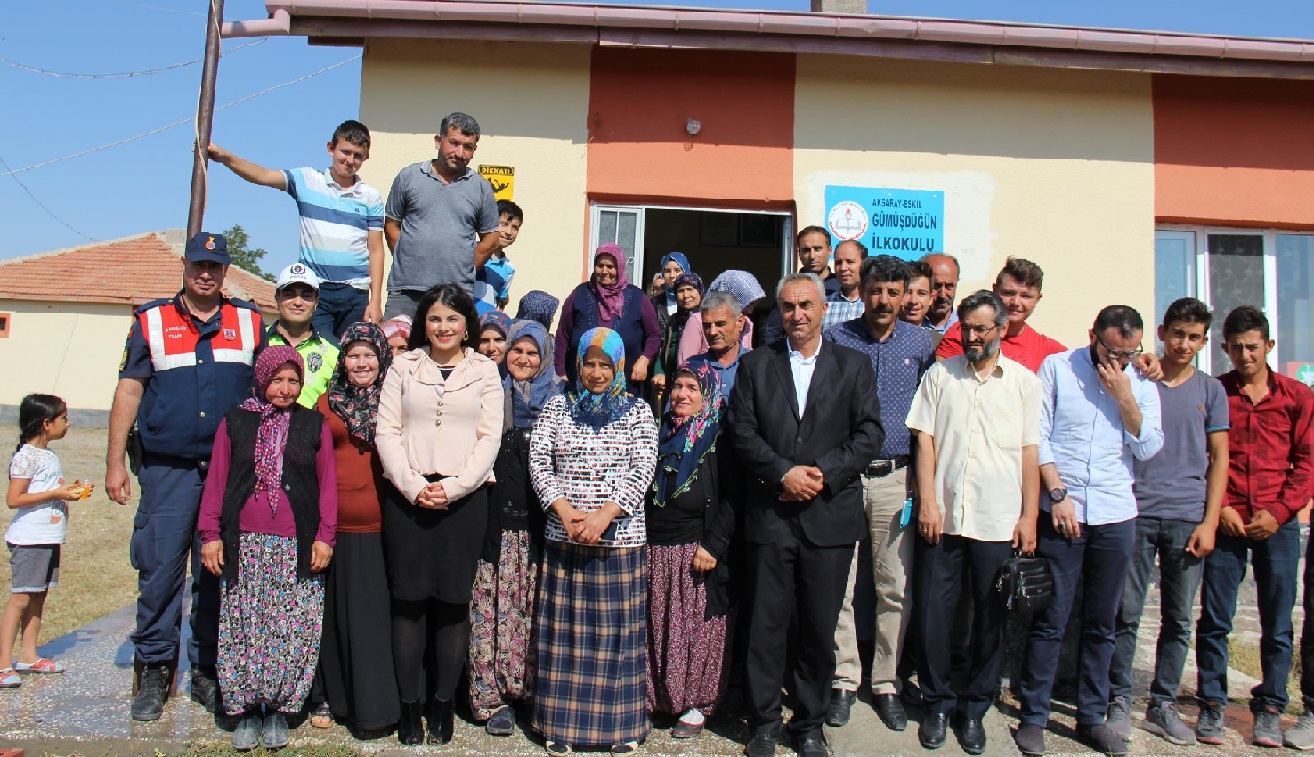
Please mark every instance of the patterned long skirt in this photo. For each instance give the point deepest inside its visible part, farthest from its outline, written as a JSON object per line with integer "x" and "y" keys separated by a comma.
{"x": 501, "y": 620}
{"x": 269, "y": 627}
{"x": 686, "y": 650}
{"x": 591, "y": 625}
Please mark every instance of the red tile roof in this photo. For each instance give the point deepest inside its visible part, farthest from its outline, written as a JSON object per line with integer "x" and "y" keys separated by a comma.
{"x": 130, "y": 271}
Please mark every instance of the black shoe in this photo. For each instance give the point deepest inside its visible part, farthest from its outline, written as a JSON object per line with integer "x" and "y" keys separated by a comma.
{"x": 410, "y": 731}
{"x": 841, "y": 701}
{"x": 972, "y": 736}
{"x": 503, "y": 722}
{"x": 442, "y": 718}
{"x": 811, "y": 744}
{"x": 205, "y": 687}
{"x": 1102, "y": 739}
{"x": 1030, "y": 740}
{"x": 761, "y": 745}
{"x": 890, "y": 709}
{"x": 152, "y": 693}
{"x": 931, "y": 733}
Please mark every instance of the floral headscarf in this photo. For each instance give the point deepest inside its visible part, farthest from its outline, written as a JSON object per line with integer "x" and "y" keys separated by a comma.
{"x": 358, "y": 406}
{"x": 611, "y": 297}
{"x": 271, "y": 438}
{"x": 398, "y": 326}
{"x": 526, "y": 398}
{"x": 689, "y": 278}
{"x": 597, "y": 410}
{"x": 684, "y": 442}
{"x": 538, "y": 306}
{"x": 497, "y": 319}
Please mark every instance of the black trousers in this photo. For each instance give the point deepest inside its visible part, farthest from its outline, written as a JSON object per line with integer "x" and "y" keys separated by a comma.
{"x": 939, "y": 582}
{"x": 787, "y": 578}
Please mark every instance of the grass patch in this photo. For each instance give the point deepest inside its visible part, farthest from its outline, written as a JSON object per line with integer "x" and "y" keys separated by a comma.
{"x": 95, "y": 577}
{"x": 1244, "y": 656}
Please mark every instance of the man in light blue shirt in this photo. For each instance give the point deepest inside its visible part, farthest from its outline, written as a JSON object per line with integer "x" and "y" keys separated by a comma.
{"x": 846, "y": 303}
{"x": 1097, "y": 415}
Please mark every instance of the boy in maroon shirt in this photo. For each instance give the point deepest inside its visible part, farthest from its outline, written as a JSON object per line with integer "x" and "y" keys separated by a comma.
{"x": 1270, "y": 478}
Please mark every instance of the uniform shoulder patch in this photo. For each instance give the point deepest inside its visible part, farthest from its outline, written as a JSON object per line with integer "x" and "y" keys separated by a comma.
{"x": 314, "y": 361}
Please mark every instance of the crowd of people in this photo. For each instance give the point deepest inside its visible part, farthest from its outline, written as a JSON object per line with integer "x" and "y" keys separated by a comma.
{"x": 607, "y": 519}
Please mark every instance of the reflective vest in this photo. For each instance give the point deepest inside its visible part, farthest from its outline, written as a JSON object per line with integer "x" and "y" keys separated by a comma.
{"x": 200, "y": 371}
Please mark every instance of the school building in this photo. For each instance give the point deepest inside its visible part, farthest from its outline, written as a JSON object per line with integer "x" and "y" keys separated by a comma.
{"x": 1135, "y": 167}
{"x": 65, "y": 316}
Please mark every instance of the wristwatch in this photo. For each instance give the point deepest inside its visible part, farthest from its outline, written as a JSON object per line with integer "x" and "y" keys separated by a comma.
{"x": 1058, "y": 495}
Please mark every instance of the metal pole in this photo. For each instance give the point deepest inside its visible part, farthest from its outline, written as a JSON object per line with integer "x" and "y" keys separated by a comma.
{"x": 205, "y": 116}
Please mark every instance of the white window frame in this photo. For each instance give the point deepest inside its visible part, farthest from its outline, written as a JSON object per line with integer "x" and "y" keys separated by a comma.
{"x": 1202, "y": 281}
{"x": 595, "y": 223}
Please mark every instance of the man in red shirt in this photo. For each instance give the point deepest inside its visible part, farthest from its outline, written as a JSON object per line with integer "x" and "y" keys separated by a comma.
{"x": 1270, "y": 478}
{"x": 1018, "y": 285}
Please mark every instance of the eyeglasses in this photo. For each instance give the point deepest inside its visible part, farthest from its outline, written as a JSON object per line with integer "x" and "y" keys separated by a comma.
{"x": 1120, "y": 354}
{"x": 980, "y": 330}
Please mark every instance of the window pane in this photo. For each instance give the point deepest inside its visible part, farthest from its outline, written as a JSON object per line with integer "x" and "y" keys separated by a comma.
{"x": 1174, "y": 271}
{"x": 1236, "y": 277}
{"x": 626, "y": 235}
{"x": 1295, "y": 285}
{"x": 607, "y": 226}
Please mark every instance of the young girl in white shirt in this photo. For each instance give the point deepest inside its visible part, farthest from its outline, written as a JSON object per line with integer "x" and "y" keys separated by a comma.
{"x": 38, "y": 492}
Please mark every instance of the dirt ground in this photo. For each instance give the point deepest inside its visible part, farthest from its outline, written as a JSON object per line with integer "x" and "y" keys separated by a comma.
{"x": 94, "y": 575}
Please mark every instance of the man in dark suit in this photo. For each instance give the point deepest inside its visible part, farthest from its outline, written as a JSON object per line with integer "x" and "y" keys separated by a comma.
{"x": 805, "y": 422}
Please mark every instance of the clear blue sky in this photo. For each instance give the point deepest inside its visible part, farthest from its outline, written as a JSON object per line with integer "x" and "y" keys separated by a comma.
{"x": 143, "y": 186}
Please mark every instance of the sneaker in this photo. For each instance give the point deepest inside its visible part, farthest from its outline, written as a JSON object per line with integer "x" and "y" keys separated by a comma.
{"x": 247, "y": 734}
{"x": 1209, "y": 725}
{"x": 1301, "y": 736}
{"x": 1102, "y": 739}
{"x": 1268, "y": 728}
{"x": 1164, "y": 720}
{"x": 152, "y": 693}
{"x": 1119, "y": 718}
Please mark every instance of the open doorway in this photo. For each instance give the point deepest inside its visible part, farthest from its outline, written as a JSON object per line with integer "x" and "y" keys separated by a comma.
{"x": 759, "y": 242}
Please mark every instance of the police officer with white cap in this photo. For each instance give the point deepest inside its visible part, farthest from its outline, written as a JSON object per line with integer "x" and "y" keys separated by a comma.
{"x": 297, "y": 295}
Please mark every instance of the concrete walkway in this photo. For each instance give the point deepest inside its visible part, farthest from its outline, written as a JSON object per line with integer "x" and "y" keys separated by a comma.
{"x": 85, "y": 711}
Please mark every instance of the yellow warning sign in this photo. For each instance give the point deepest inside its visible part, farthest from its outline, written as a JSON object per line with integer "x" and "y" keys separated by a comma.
{"x": 503, "y": 179}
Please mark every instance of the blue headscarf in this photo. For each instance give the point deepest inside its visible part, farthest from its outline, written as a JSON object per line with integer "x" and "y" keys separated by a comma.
{"x": 528, "y": 397}
{"x": 684, "y": 442}
{"x": 680, "y": 260}
{"x": 540, "y": 306}
{"x": 597, "y": 410}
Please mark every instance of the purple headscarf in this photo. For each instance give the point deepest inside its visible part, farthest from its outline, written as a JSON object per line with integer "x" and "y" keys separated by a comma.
{"x": 611, "y": 297}
{"x": 272, "y": 435}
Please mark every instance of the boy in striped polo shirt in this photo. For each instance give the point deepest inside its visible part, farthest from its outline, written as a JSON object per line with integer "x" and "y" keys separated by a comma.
{"x": 341, "y": 226}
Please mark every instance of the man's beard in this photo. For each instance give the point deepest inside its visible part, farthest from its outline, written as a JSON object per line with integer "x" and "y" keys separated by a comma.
{"x": 977, "y": 354}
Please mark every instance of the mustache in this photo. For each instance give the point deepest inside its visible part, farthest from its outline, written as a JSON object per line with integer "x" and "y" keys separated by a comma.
{"x": 883, "y": 309}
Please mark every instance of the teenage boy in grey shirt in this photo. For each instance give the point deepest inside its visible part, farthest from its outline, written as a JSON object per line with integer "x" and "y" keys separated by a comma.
{"x": 436, "y": 211}
{"x": 1179, "y": 494}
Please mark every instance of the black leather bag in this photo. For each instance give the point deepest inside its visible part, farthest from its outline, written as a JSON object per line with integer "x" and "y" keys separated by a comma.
{"x": 1025, "y": 584}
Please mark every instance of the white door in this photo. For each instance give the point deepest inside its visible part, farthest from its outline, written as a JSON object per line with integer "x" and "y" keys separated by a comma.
{"x": 624, "y": 226}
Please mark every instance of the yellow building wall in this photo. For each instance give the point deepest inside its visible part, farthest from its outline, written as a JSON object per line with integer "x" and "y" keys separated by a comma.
{"x": 1055, "y": 166}
{"x": 69, "y": 349}
{"x": 531, "y": 102}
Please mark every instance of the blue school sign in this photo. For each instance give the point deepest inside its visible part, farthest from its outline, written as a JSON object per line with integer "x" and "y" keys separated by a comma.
{"x": 906, "y": 223}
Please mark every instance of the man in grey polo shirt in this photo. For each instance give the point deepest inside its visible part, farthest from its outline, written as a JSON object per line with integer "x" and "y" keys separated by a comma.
{"x": 436, "y": 211}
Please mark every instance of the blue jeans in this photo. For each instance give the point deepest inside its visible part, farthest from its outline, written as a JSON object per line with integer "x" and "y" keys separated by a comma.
{"x": 164, "y": 532}
{"x": 1100, "y": 556}
{"x": 1275, "y": 561}
{"x": 1179, "y": 579}
{"x": 340, "y": 305}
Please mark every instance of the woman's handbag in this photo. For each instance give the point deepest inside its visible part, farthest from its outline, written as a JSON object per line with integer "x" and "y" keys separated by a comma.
{"x": 1025, "y": 583}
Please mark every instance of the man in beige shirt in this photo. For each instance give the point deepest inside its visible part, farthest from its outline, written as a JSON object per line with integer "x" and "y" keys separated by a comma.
{"x": 977, "y": 417}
